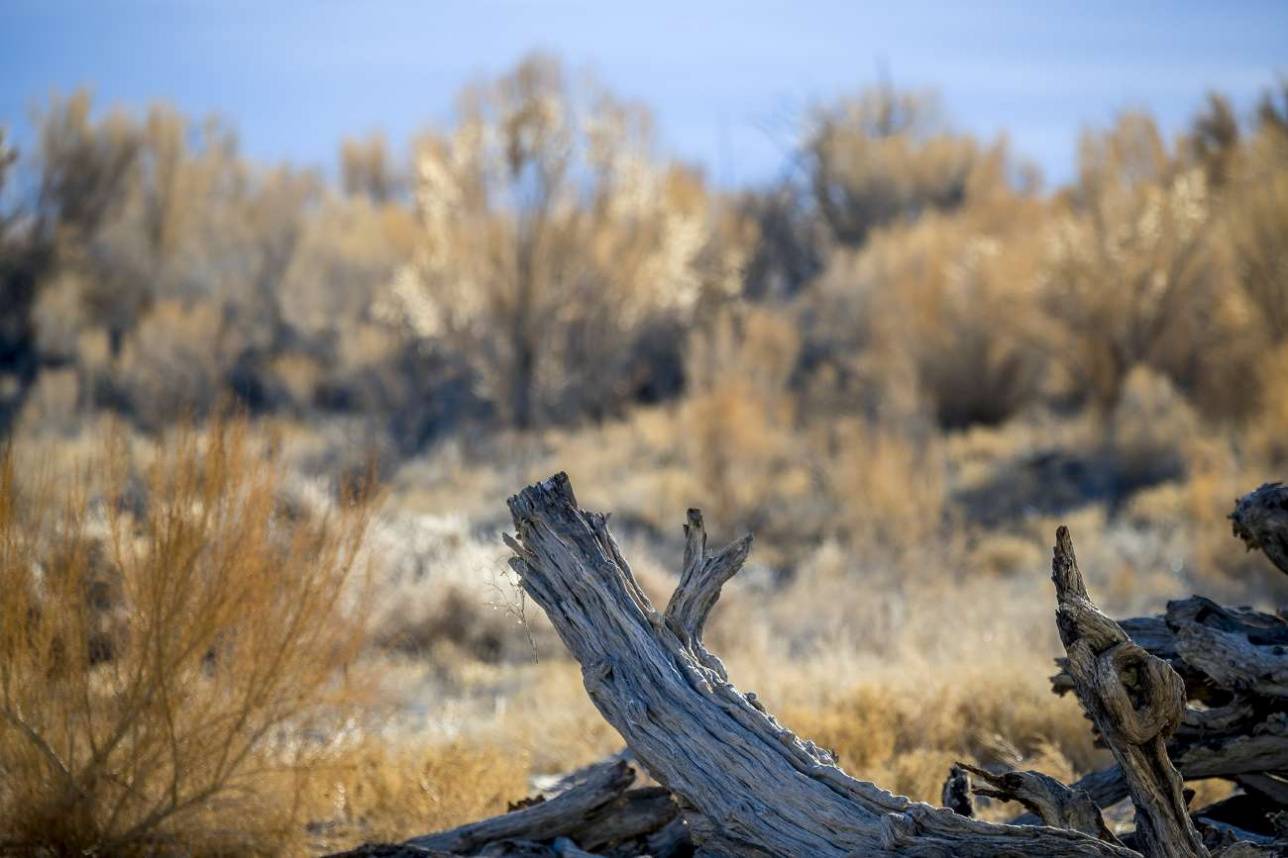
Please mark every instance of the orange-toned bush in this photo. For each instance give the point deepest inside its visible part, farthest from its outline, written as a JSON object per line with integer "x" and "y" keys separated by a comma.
{"x": 166, "y": 642}
{"x": 885, "y": 157}
{"x": 1133, "y": 275}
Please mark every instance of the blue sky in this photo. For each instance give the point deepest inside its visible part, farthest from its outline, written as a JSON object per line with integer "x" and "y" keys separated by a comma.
{"x": 726, "y": 81}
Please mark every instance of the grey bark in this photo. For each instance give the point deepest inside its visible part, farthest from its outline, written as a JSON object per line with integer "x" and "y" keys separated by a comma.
{"x": 1054, "y": 803}
{"x": 1233, "y": 661}
{"x": 748, "y": 785}
{"x": 1136, "y": 702}
{"x": 591, "y": 809}
{"x": 736, "y": 782}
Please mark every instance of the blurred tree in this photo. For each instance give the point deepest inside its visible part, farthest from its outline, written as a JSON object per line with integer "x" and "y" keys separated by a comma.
{"x": 885, "y": 156}
{"x": 365, "y": 169}
{"x": 84, "y": 167}
{"x": 20, "y": 263}
{"x": 791, "y": 242}
{"x": 1214, "y": 138}
{"x": 553, "y": 243}
{"x": 1272, "y": 109}
{"x": 1131, "y": 276}
{"x": 1256, "y": 217}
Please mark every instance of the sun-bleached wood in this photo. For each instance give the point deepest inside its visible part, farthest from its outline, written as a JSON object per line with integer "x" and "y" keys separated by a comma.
{"x": 748, "y": 786}
{"x": 1135, "y": 700}
{"x": 1054, "y": 803}
{"x": 1233, "y": 661}
{"x": 735, "y": 782}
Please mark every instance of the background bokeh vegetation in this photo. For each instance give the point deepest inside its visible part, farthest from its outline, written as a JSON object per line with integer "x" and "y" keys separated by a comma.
{"x": 898, "y": 366}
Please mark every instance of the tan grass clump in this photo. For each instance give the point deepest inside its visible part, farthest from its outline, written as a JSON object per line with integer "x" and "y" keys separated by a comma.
{"x": 386, "y": 791}
{"x": 905, "y": 734}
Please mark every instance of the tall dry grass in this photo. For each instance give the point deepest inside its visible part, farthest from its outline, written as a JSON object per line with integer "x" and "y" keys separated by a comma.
{"x": 171, "y": 642}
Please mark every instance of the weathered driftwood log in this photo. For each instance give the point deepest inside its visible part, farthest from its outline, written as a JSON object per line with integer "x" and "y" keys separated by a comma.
{"x": 544, "y": 820}
{"x": 744, "y": 785}
{"x": 1217, "y": 650}
{"x": 1261, "y": 521}
{"x": 1135, "y": 700}
{"x": 1233, "y": 661}
{"x": 748, "y": 786}
{"x": 1256, "y": 755}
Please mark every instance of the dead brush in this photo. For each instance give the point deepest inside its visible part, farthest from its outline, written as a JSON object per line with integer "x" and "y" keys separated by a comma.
{"x": 188, "y": 734}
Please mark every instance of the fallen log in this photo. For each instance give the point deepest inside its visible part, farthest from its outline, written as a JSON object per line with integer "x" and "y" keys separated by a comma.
{"x": 1233, "y": 661}
{"x": 738, "y": 783}
{"x": 748, "y": 786}
{"x": 543, "y": 820}
{"x": 1214, "y": 648}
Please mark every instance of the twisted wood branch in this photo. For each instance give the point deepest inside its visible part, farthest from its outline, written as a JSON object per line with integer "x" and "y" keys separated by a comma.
{"x": 748, "y": 785}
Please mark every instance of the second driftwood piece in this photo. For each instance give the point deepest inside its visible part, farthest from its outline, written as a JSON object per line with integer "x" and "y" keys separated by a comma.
{"x": 1136, "y": 702}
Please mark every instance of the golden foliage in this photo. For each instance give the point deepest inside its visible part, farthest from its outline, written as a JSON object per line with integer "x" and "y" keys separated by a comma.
{"x": 165, "y": 645}
{"x": 906, "y": 735}
{"x": 552, "y": 242}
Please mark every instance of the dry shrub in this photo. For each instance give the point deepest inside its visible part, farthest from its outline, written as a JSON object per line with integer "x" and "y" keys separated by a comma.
{"x": 1267, "y": 435}
{"x": 1257, "y": 224}
{"x": 740, "y": 434}
{"x": 164, "y": 648}
{"x": 555, "y": 723}
{"x": 958, "y": 301}
{"x": 177, "y": 362}
{"x": 940, "y": 313}
{"x": 1006, "y": 554}
{"x": 884, "y": 157}
{"x": 439, "y": 584}
{"x": 890, "y": 488}
{"x": 1133, "y": 275}
{"x": 53, "y": 403}
{"x": 1222, "y": 566}
{"x": 1149, "y": 430}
